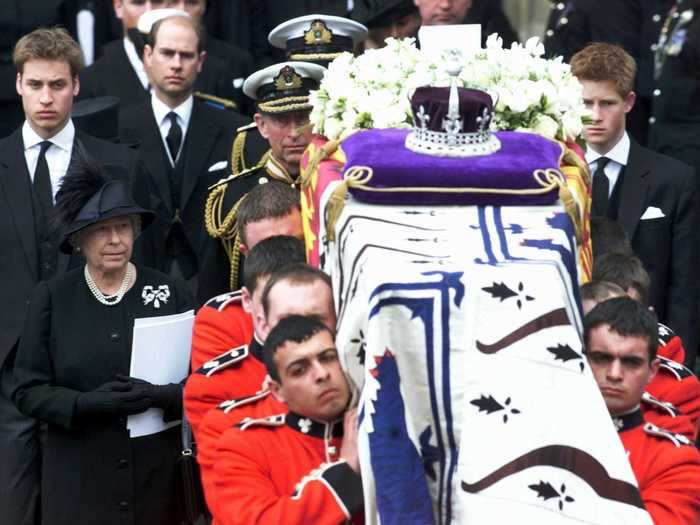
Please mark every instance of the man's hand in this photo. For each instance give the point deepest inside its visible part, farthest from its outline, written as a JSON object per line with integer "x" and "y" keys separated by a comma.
{"x": 348, "y": 450}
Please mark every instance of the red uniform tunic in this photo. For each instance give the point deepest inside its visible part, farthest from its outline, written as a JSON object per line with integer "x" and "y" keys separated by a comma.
{"x": 667, "y": 469}
{"x": 233, "y": 375}
{"x": 284, "y": 470}
{"x": 220, "y": 325}
{"x": 665, "y": 415}
{"x": 676, "y": 384}
{"x": 220, "y": 419}
{"x": 670, "y": 345}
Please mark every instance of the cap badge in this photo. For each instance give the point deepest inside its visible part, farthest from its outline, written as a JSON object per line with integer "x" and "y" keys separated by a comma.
{"x": 287, "y": 79}
{"x": 318, "y": 34}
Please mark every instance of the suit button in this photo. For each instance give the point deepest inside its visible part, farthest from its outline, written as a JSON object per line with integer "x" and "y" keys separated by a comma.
{"x": 656, "y": 92}
{"x": 656, "y": 18}
{"x": 47, "y": 266}
{"x": 563, "y": 21}
{"x": 652, "y": 120}
{"x": 114, "y": 337}
{"x": 550, "y": 32}
{"x": 561, "y": 6}
{"x": 654, "y": 47}
{"x": 123, "y": 505}
{"x": 123, "y": 463}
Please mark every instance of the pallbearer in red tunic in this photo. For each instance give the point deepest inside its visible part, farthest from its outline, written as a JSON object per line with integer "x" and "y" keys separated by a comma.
{"x": 294, "y": 468}
{"x": 621, "y": 341}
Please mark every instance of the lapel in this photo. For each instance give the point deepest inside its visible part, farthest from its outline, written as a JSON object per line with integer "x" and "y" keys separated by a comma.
{"x": 126, "y": 82}
{"x": 200, "y": 139}
{"x": 153, "y": 155}
{"x": 634, "y": 190}
{"x": 16, "y": 182}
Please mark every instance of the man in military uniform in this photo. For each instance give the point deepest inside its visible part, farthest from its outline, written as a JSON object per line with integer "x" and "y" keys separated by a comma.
{"x": 675, "y": 120}
{"x": 281, "y": 93}
{"x": 184, "y": 145}
{"x": 302, "y": 466}
{"x": 621, "y": 340}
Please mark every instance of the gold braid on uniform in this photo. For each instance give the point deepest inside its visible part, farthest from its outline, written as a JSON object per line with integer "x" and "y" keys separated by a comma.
{"x": 237, "y": 156}
{"x": 283, "y": 105}
{"x": 314, "y": 56}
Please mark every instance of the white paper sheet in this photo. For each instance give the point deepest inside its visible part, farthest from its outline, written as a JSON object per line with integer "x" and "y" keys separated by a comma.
{"x": 160, "y": 354}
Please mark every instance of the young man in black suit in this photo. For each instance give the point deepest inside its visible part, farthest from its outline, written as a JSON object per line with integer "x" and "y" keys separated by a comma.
{"x": 650, "y": 195}
{"x": 33, "y": 160}
{"x": 120, "y": 71}
{"x": 184, "y": 147}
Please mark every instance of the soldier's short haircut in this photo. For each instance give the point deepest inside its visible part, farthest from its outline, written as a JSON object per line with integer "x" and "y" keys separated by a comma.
{"x": 599, "y": 291}
{"x": 54, "y": 44}
{"x": 271, "y": 200}
{"x": 608, "y": 236}
{"x": 626, "y": 317}
{"x": 295, "y": 329}
{"x": 270, "y": 255}
{"x": 601, "y": 61}
{"x": 295, "y": 274}
{"x": 626, "y": 270}
{"x": 196, "y": 27}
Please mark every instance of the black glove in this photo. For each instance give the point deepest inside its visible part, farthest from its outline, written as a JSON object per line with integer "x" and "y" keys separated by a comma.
{"x": 166, "y": 397}
{"x": 115, "y": 397}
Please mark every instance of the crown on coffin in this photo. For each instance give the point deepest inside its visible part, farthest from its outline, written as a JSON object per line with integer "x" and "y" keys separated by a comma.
{"x": 452, "y": 122}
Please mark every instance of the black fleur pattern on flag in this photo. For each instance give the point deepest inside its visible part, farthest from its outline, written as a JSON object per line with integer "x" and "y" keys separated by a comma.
{"x": 502, "y": 291}
{"x": 361, "y": 347}
{"x": 565, "y": 353}
{"x": 546, "y": 491}
{"x": 489, "y": 405}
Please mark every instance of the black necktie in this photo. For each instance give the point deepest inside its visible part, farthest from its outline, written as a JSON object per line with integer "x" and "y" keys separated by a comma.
{"x": 42, "y": 180}
{"x": 601, "y": 188}
{"x": 174, "y": 136}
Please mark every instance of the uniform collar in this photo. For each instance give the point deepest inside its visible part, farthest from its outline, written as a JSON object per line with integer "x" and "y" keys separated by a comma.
{"x": 63, "y": 139}
{"x": 628, "y": 421}
{"x": 278, "y": 171}
{"x": 256, "y": 349}
{"x": 313, "y": 428}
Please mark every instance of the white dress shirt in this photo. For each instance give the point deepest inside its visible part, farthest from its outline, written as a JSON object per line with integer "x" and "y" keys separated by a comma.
{"x": 618, "y": 156}
{"x": 136, "y": 62}
{"x": 57, "y": 156}
{"x": 183, "y": 112}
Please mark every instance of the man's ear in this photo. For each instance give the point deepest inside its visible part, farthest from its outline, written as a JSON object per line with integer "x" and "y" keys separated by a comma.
{"x": 200, "y": 61}
{"x": 18, "y": 84}
{"x": 654, "y": 369}
{"x": 118, "y": 8}
{"x": 246, "y": 300}
{"x": 147, "y": 55}
{"x": 262, "y": 125}
{"x": 276, "y": 390}
{"x": 76, "y": 85}
{"x": 244, "y": 249}
{"x": 629, "y": 101}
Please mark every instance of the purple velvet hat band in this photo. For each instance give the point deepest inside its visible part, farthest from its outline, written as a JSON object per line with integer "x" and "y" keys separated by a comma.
{"x": 515, "y": 175}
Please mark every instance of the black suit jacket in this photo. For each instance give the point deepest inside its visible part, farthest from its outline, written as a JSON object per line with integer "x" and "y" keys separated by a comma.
{"x": 113, "y": 75}
{"x": 208, "y": 141}
{"x": 667, "y": 245}
{"x": 19, "y": 271}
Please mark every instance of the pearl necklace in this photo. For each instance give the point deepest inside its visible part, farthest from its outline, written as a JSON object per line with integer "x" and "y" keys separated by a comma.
{"x": 110, "y": 300}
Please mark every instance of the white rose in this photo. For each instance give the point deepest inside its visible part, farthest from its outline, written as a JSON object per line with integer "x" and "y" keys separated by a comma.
{"x": 545, "y": 126}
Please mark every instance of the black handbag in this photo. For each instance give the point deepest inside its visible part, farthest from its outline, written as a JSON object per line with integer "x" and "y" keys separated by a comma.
{"x": 195, "y": 507}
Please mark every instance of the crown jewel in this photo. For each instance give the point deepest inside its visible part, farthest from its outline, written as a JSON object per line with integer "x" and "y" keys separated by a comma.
{"x": 456, "y": 121}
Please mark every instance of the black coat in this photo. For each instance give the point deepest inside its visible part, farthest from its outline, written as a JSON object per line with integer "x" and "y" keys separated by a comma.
{"x": 113, "y": 75}
{"x": 19, "y": 270}
{"x": 92, "y": 472}
{"x": 675, "y": 130}
{"x": 208, "y": 141}
{"x": 667, "y": 246}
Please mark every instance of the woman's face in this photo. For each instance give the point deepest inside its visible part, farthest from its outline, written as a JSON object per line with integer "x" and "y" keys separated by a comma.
{"x": 107, "y": 245}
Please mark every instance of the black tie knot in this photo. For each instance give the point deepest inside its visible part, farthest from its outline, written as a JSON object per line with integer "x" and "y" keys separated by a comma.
{"x": 174, "y": 136}
{"x": 601, "y": 163}
{"x": 44, "y": 146}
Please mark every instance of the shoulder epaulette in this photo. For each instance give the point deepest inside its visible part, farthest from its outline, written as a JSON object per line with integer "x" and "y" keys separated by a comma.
{"x": 665, "y": 334}
{"x": 225, "y": 299}
{"x": 228, "y": 179}
{"x": 677, "y": 439}
{"x": 269, "y": 421}
{"x": 223, "y": 361}
{"x": 675, "y": 368}
{"x": 252, "y": 125}
{"x": 663, "y": 405}
{"x": 213, "y": 100}
{"x": 229, "y": 405}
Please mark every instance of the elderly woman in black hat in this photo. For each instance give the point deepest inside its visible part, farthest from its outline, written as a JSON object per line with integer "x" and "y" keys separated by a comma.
{"x": 73, "y": 362}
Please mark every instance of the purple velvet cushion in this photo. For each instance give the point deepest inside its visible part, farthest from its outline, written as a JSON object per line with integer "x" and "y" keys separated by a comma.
{"x": 396, "y": 168}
